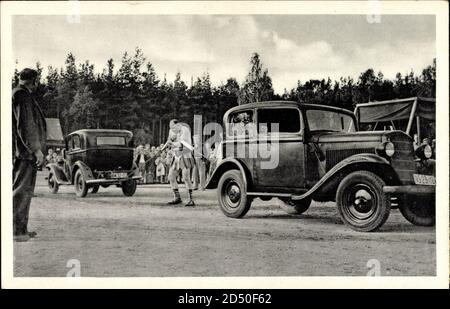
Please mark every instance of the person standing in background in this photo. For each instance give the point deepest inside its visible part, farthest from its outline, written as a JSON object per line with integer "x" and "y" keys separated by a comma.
{"x": 49, "y": 158}
{"x": 29, "y": 143}
{"x": 140, "y": 162}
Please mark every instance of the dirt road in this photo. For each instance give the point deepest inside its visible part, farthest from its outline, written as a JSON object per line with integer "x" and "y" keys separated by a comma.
{"x": 113, "y": 235}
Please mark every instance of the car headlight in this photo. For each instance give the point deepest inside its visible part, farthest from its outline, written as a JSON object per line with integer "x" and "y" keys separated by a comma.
{"x": 389, "y": 149}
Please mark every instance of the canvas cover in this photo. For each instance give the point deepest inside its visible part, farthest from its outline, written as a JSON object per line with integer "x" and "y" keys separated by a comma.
{"x": 54, "y": 132}
{"x": 396, "y": 110}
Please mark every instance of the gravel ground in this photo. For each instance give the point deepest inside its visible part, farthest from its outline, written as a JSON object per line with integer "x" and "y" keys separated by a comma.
{"x": 114, "y": 235}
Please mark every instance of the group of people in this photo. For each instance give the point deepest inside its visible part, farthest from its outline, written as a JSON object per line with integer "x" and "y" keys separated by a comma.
{"x": 153, "y": 163}
{"x": 181, "y": 159}
{"x": 53, "y": 156}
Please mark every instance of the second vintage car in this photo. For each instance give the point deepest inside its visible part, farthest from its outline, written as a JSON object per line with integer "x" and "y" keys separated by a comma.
{"x": 94, "y": 158}
{"x": 317, "y": 153}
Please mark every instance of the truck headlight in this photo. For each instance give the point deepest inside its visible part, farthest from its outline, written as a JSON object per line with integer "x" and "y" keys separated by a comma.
{"x": 389, "y": 149}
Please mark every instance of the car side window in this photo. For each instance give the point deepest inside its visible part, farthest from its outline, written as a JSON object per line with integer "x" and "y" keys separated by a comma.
{"x": 76, "y": 142}
{"x": 69, "y": 143}
{"x": 288, "y": 120}
{"x": 242, "y": 125}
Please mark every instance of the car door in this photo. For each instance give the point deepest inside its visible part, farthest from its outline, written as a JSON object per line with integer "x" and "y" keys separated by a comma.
{"x": 74, "y": 152}
{"x": 280, "y": 162}
{"x": 241, "y": 137}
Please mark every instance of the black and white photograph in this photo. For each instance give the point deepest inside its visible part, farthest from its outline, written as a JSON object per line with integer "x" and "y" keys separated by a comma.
{"x": 219, "y": 140}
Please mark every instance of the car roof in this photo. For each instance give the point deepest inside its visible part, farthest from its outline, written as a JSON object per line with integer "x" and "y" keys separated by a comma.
{"x": 92, "y": 132}
{"x": 267, "y": 104}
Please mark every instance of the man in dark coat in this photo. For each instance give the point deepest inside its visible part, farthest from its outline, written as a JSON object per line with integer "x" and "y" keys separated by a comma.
{"x": 29, "y": 143}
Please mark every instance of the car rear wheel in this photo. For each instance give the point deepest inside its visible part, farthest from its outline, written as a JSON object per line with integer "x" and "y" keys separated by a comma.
{"x": 52, "y": 184}
{"x": 232, "y": 195}
{"x": 95, "y": 188}
{"x": 295, "y": 207}
{"x": 81, "y": 187}
{"x": 419, "y": 210}
{"x": 129, "y": 187}
{"x": 361, "y": 202}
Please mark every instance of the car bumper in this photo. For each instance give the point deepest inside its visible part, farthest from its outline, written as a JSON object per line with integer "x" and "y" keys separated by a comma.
{"x": 111, "y": 181}
{"x": 411, "y": 189}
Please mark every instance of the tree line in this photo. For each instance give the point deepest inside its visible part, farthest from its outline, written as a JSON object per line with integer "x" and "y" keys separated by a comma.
{"x": 134, "y": 97}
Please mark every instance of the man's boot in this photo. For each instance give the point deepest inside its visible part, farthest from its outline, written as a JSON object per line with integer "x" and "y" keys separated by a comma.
{"x": 177, "y": 199}
{"x": 191, "y": 201}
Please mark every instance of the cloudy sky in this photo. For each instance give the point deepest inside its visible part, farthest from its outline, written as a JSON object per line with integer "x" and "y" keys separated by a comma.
{"x": 292, "y": 47}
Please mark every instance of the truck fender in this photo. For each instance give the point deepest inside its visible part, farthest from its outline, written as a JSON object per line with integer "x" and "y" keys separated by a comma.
{"x": 85, "y": 171}
{"x": 332, "y": 178}
{"x": 226, "y": 165}
{"x": 58, "y": 173}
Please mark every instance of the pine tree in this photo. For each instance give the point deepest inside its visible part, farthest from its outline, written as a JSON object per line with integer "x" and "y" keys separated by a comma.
{"x": 258, "y": 85}
{"x": 15, "y": 78}
{"x": 84, "y": 110}
{"x": 51, "y": 106}
{"x": 67, "y": 88}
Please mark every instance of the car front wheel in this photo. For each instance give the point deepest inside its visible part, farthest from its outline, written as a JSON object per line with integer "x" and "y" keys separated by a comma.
{"x": 361, "y": 202}
{"x": 129, "y": 187}
{"x": 419, "y": 210}
{"x": 52, "y": 184}
{"x": 232, "y": 195}
{"x": 81, "y": 187}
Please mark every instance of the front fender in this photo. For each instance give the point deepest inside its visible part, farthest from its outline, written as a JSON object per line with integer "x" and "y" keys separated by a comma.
{"x": 327, "y": 185}
{"x": 58, "y": 173}
{"x": 226, "y": 165}
{"x": 85, "y": 171}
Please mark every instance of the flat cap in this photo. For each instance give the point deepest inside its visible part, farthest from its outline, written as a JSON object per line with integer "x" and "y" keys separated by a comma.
{"x": 28, "y": 74}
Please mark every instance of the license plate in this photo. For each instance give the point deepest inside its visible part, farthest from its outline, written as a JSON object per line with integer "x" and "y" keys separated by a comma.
{"x": 424, "y": 180}
{"x": 118, "y": 175}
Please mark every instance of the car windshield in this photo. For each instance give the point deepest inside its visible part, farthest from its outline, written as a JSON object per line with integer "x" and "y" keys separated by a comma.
{"x": 324, "y": 120}
{"x": 111, "y": 140}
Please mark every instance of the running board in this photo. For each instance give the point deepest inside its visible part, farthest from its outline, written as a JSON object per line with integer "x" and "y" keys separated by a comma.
{"x": 287, "y": 195}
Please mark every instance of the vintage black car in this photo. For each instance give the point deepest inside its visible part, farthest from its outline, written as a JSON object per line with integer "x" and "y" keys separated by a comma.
{"x": 94, "y": 158}
{"x": 318, "y": 154}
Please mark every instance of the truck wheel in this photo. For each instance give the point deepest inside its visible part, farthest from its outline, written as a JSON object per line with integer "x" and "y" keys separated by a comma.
{"x": 129, "y": 187}
{"x": 81, "y": 187}
{"x": 295, "y": 207}
{"x": 232, "y": 196}
{"x": 95, "y": 188}
{"x": 52, "y": 184}
{"x": 361, "y": 202}
{"x": 419, "y": 210}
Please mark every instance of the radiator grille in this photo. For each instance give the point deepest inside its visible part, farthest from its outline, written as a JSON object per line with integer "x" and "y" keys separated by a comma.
{"x": 403, "y": 160}
{"x": 335, "y": 156}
